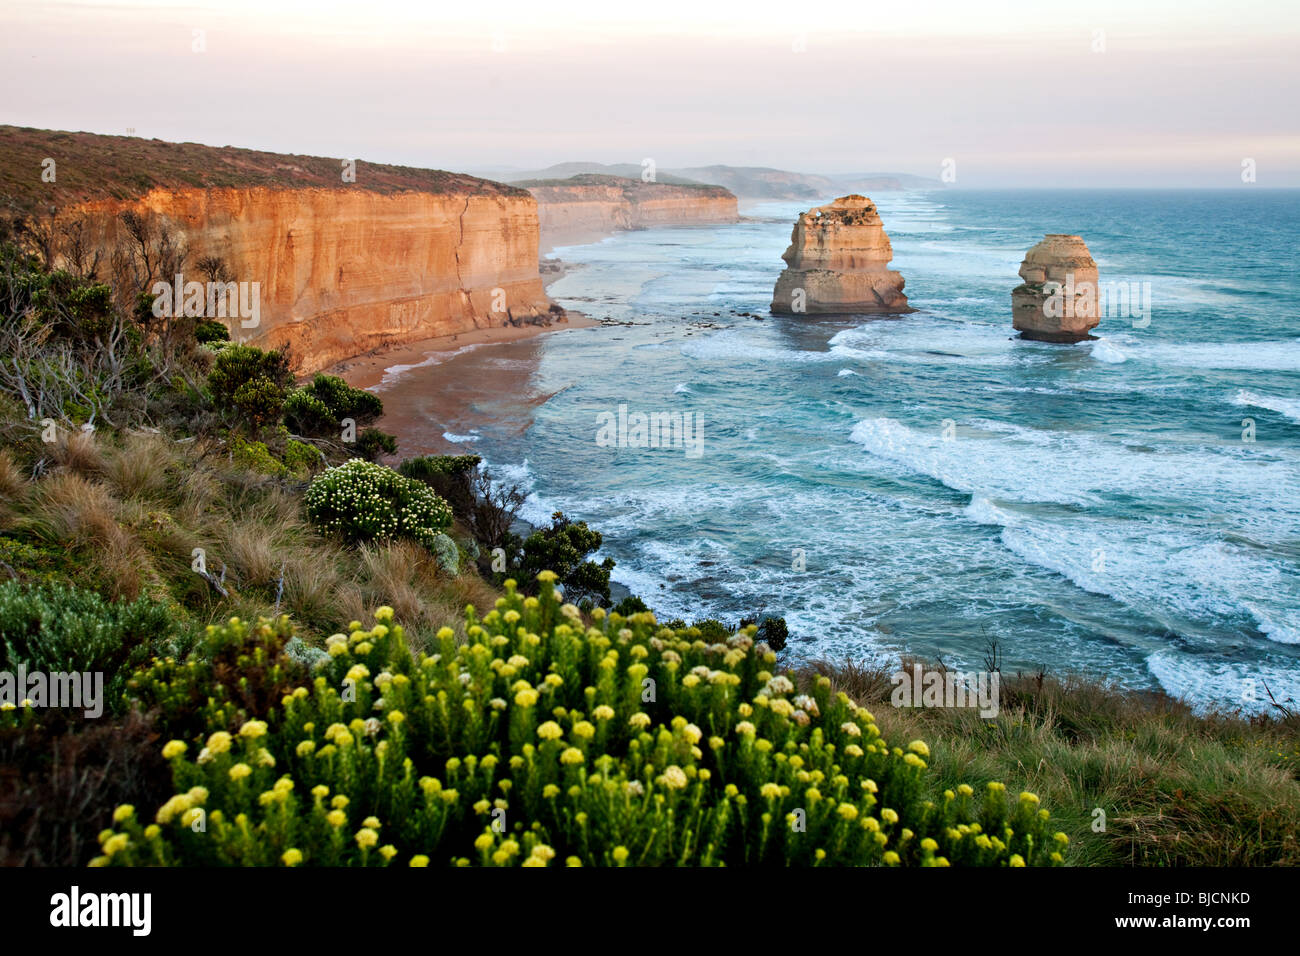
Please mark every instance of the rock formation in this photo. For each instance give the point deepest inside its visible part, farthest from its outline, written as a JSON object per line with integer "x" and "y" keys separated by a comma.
{"x": 589, "y": 206}
{"x": 1058, "y": 300}
{"x": 837, "y": 262}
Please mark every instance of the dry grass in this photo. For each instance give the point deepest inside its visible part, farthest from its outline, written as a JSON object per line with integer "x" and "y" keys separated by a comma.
{"x": 139, "y": 469}
{"x": 1176, "y": 788}
{"x": 78, "y": 453}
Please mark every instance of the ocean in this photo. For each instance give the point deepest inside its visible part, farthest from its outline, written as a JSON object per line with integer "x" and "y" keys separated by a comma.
{"x": 1126, "y": 508}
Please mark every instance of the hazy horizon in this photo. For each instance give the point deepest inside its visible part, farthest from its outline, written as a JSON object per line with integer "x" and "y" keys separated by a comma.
{"x": 1173, "y": 95}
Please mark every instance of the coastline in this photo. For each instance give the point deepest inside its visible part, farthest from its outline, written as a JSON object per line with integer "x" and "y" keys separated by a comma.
{"x": 369, "y": 369}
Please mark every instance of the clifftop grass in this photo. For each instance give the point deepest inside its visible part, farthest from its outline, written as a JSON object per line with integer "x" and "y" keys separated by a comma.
{"x": 93, "y": 166}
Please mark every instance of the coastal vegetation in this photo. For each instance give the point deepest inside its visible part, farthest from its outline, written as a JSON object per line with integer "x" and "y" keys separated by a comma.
{"x": 178, "y": 514}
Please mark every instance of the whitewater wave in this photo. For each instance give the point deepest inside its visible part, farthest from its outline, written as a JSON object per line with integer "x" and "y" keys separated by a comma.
{"x": 459, "y": 439}
{"x": 1288, "y": 407}
{"x": 1227, "y": 685}
{"x": 1104, "y": 350}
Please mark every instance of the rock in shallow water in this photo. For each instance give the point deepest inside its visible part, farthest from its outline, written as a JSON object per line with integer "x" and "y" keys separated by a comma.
{"x": 837, "y": 263}
{"x": 1058, "y": 300}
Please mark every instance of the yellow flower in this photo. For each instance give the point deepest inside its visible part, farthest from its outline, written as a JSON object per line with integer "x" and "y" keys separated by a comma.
{"x": 419, "y": 860}
{"x": 219, "y": 742}
{"x": 889, "y": 816}
{"x": 336, "y": 818}
{"x": 603, "y": 712}
{"x": 1016, "y": 860}
{"x": 396, "y": 717}
{"x": 173, "y": 748}
{"x": 124, "y": 812}
{"x": 746, "y": 728}
{"x": 929, "y": 845}
{"x": 674, "y": 777}
{"x": 239, "y": 771}
{"x": 320, "y": 790}
{"x": 584, "y": 729}
{"x": 526, "y": 698}
{"x": 115, "y": 843}
{"x": 388, "y": 851}
{"x": 371, "y": 822}
{"x": 550, "y": 791}
{"x": 550, "y": 730}
{"x": 572, "y": 756}
{"x": 366, "y": 837}
{"x": 620, "y": 854}
{"x": 253, "y": 729}
{"x": 848, "y": 811}
{"x": 291, "y": 857}
{"x": 890, "y": 858}
{"x": 1028, "y": 797}
{"x": 965, "y": 789}
{"x": 639, "y": 720}
{"x": 919, "y": 747}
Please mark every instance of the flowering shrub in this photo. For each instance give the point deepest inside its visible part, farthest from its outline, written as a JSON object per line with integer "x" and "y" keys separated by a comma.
{"x": 542, "y": 741}
{"x": 363, "y": 501}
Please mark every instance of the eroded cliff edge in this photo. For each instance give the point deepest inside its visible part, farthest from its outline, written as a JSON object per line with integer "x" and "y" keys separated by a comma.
{"x": 590, "y": 205}
{"x": 397, "y": 256}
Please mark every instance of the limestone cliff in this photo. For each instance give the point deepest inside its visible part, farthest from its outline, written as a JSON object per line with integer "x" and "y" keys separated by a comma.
{"x": 348, "y": 256}
{"x": 583, "y": 207}
{"x": 345, "y": 271}
{"x": 1058, "y": 300}
{"x": 837, "y": 263}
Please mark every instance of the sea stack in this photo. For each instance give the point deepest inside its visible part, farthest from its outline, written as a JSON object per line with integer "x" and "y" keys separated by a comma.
{"x": 838, "y": 262}
{"x": 1058, "y": 300}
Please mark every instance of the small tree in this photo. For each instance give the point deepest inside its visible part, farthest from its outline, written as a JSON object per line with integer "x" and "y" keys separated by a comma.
{"x": 563, "y": 548}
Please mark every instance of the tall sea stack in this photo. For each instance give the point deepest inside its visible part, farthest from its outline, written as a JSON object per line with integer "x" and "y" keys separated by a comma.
{"x": 838, "y": 262}
{"x": 1058, "y": 300}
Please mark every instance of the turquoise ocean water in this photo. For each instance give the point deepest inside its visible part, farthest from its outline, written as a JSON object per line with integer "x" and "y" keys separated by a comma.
{"x": 1094, "y": 507}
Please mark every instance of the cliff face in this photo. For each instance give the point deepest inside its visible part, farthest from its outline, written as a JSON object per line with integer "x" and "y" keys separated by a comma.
{"x": 348, "y": 255}
{"x": 837, "y": 262}
{"x": 1058, "y": 300}
{"x": 343, "y": 271}
{"x": 590, "y": 205}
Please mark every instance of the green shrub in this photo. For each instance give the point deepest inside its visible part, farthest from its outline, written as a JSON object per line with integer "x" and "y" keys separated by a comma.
{"x": 713, "y": 631}
{"x": 563, "y": 548}
{"x": 629, "y": 605}
{"x": 301, "y": 458}
{"x": 539, "y": 741}
{"x": 450, "y": 476}
{"x": 255, "y": 456}
{"x": 210, "y": 330}
{"x": 250, "y": 385}
{"x": 362, "y": 501}
{"x": 321, "y": 405}
{"x": 772, "y": 631}
{"x": 308, "y": 415}
{"x": 53, "y": 627}
{"x": 372, "y": 443}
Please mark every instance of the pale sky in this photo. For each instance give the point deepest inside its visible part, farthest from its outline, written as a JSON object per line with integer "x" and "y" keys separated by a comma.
{"x": 1016, "y": 93}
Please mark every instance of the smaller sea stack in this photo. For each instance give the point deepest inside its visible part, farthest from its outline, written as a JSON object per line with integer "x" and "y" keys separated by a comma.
{"x": 838, "y": 263}
{"x": 1058, "y": 300}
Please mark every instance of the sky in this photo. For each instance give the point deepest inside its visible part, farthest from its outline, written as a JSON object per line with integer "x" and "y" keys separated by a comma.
{"x": 1032, "y": 93}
